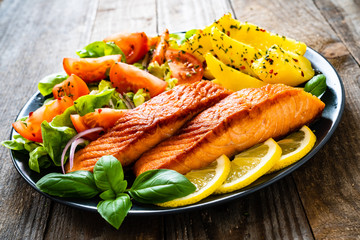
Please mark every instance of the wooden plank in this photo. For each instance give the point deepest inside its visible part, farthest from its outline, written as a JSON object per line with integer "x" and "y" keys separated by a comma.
{"x": 72, "y": 223}
{"x": 328, "y": 184}
{"x": 229, "y": 220}
{"x": 344, "y": 18}
{"x": 35, "y": 36}
{"x": 189, "y": 14}
{"x": 124, "y": 16}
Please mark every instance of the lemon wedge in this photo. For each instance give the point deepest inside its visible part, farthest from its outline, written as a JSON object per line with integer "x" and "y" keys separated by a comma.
{"x": 294, "y": 147}
{"x": 250, "y": 165}
{"x": 206, "y": 180}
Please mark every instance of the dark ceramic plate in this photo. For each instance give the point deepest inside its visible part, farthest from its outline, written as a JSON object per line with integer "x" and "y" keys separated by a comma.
{"x": 334, "y": 99}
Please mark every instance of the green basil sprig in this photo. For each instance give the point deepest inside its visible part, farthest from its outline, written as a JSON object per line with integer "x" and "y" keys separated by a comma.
{"x": 79, "y": 184}
{"x": 317, "y": 85}
{"x": 155, "y": 186}
{"x": 158, "y": 186}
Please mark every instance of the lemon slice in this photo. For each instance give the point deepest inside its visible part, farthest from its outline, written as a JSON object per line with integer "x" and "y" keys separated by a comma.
{"x": 206, "y": 180}
{"x": 294, "y": 147}
{"x": 250, "y": 165}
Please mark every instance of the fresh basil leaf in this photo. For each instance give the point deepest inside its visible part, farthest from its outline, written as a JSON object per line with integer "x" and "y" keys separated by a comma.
{"x": 317, "y": 85}
{"x": 55, "y": 139}
{"x": 108, "y": 174}
{"x": 89, "y": 103}
{"x": 39, "y": 159}
{"x": 46, "y": 84}
{"x": 100, "y": 49}
{"x": 162, "y": 185}
{"x": 108, "y": 195}
{"x": 114, "y": 211}
{"x": 79, "y": 184}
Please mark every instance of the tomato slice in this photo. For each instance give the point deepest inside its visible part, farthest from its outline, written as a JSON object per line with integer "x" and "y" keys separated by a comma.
{"x": 90, "y": 69}
{"x": 125, "y": 78}
{"x": 102, "y": 117}
{"x": 153, "y": 41}
{"x": 184, "y": 66}
{"x": 161, "y": 47}
{"x": 78, "y": 123}
{"x": 31, "y": 127}
{"x": 73, "y": 86}
{"x": 134, "y": 45}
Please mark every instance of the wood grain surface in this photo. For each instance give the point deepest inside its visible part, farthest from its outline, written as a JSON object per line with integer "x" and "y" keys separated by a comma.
{"x": 320, "y": 200}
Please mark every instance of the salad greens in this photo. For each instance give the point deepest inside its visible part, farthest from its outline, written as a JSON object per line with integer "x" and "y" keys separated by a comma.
{"x": 46, "y": 84}
{"x": 156, "y": 186}
{"x": 55, "y": 139}
{"x": 176, "y": 39}
{"x": 89, "y": 103}
{"x": 163, "y": 72}
{"x": 100, "y": 49}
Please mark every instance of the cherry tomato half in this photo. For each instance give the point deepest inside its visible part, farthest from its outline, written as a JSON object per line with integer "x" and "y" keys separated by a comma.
{"x": 184, "y": 66}
{"x": 134, "y": 45}
{"x": 31, "y": 127}
{"x": 125, "y": 78}
{"x": 73, "y": 87}
{"x": 161, "y": 47}
{"x": 90, "y": 69}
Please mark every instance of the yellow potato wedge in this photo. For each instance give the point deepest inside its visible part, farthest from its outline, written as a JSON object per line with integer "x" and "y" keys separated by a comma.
{"x": 234, "y": 53}
{"x": 257, "y": 37}
{"x": 280, "y": 66}
{"x": 228, "y": 77}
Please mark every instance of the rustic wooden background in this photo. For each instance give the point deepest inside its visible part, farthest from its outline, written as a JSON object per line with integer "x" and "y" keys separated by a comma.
{"x": 320, "y": 200}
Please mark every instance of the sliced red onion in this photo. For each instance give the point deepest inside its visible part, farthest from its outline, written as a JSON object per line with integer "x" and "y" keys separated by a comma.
{"x": 79, "y": 135}
{"x": 72, "y": 150}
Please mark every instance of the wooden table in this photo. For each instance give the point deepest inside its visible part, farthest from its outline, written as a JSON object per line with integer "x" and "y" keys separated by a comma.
{"x": 320, "y": 200}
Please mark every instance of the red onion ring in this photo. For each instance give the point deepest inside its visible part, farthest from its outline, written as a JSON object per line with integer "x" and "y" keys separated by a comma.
{"x": 79, "y": 135}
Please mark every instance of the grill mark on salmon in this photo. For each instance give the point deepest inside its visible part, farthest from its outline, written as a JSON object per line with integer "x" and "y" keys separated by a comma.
{"x": 239, "y": 121}
{"x": 142, "y": 128}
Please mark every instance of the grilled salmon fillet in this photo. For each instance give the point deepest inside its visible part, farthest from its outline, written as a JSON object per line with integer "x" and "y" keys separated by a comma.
{"x": 142, "y": 128}
{"x": 239, "y": 121}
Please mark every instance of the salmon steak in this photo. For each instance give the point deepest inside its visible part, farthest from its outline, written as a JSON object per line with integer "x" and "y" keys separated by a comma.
{"x": 143, "y": 127}
{"x": 241, "y": 120}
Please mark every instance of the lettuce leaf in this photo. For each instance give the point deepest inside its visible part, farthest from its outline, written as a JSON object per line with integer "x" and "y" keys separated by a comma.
{"x": 46, "y": 84}
{"x": 64, "y": 118}
{"x": 55, "y": 139}
{"x": 39, "y": 159}
{"x": 100, "y": 49}
{"x": 89, "y": 103}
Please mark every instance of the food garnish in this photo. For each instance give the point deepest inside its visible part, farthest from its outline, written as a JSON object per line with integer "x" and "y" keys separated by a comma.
{"x": 206, "y": 180}
{"x": 294, "y": 147}
{"x": 249, "y": 165}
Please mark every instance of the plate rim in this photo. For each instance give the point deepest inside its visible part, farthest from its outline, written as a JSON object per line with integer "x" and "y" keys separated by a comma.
{"x": 201, "y": 205}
